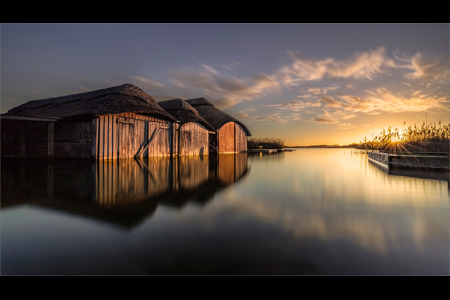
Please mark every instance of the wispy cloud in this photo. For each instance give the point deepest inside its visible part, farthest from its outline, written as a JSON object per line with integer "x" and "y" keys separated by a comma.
{"x": 326, "y": 118}
{"x": 345, "y": 125}
{"x": 223, "y": 91}
{"x": 147, "y": 84}
{"x": 364, "y": 65}
{"x": 424, "y": 68}
{"x": 428, "y": 69}
{"x": 232, "y": 65}
{"x": 273, "y": 117}
{"x": 337, "y": 109}
{"x": 295, "y": 105}
{"x": 389, "y": 101}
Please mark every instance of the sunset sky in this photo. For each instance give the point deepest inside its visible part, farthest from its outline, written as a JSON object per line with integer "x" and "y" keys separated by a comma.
{"x": 305, "y": 83}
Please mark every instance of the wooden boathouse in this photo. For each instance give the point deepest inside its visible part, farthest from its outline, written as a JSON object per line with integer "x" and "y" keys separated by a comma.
{"x": 231, "y": 134}
{"x": 116, "y": 122}
{"x": 194, "y": 131}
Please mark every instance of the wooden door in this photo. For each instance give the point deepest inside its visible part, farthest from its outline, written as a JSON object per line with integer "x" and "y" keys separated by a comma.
{"x": 226, "y": 138}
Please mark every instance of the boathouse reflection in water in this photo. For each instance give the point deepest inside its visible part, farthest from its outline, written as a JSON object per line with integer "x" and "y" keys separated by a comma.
{"x": 123, "y": 191}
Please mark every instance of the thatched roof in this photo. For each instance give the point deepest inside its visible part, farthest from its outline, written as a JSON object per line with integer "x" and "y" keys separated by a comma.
{"x": 113, "y": 100}
{"x": 183, "y": 112}
{"x": 214, "y": 116}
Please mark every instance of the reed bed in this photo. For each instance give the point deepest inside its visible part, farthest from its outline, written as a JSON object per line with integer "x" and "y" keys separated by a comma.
{"x": 413, "y": 139}
{"x": 265, "y": 143}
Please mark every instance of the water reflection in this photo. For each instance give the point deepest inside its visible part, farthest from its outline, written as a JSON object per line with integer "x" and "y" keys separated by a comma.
{"x": 124, "y": 191}
{"x": 352, "y": 209}
{"x": 311, "y": 211}
{"x": 264, "y": 157}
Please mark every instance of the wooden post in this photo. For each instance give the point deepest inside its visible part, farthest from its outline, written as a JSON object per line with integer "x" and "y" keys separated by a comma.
{"x": 101, "y": 133}
{"x": 170, "y": 133}
{"x": 94, "y": 134}
{"x": 146, "y": 126}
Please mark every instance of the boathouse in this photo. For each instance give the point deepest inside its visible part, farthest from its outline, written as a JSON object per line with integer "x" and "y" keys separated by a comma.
{"x": 231, "y": 134}
{"x": 194, "y": 131}
{"x": 117, "y": 122}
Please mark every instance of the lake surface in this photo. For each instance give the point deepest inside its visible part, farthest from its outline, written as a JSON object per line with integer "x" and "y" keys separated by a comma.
{"x": 306, "y": 212}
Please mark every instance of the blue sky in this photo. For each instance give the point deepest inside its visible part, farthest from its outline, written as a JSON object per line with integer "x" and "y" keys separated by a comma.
{"x": 306, "y": 83}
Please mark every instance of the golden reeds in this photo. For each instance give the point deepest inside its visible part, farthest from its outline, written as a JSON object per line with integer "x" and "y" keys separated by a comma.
{"x": 425, "y": 138}
{"x": 265, "y": 143}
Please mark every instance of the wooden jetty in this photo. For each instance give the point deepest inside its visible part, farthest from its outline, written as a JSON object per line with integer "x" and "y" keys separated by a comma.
{"x": 424, "y": 162}
{"x": 270, "y": 150}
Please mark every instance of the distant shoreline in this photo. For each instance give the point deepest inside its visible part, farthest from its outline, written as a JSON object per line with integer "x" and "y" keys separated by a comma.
{"x": 323, "y": 146}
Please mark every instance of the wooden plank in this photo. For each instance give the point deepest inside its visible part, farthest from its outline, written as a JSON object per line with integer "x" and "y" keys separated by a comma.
{"x": 148, "y": 143}
{"x": 126, "y": 122}
{"x": 145, "y": 137}
{"x": 100, "y": 137}
{"x": 113, "y": 135}
{"x": 107, "y": 137}
{"x": 123, "y": 140}
{"x": 94, "y": 135}
{"x": 119, "y": 138}
{"x": 51, "y": 139}
{"x": 234, "y": 138}
{"x": 104, "y": 139}
{"x": 132, "y": 137}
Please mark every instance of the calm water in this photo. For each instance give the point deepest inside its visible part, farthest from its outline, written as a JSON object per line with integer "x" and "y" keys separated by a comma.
{"x": 307, "y": 212}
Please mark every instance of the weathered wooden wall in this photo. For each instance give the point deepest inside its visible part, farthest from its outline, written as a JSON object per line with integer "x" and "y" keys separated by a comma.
{"x": 231, "y": 138}
{"x": 74, "y": 139}
{"x": 124, "y": 135}
{"x": 22, "y": 138}
{"x": 175, "y": 138}
{"x": 225, "y": 135}
{"x": 115, "y": 136}
{"x": 193, "y": 139}
{"x": 240, "y": 139}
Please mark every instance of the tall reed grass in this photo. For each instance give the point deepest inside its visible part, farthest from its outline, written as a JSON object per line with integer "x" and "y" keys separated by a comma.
{"x": 413, "y": 139}
{"x": 265, "y": 143}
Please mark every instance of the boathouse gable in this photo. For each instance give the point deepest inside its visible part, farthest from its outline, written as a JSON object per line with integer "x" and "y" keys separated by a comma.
{"x": 194, "y": 131}
{"x": 231, "y": 134}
